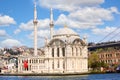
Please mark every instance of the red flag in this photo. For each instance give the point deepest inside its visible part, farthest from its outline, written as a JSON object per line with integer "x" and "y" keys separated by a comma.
{"x": 25, "y": 64}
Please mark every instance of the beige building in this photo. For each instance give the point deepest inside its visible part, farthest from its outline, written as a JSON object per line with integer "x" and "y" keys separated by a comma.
{"x": 65, "y": 52}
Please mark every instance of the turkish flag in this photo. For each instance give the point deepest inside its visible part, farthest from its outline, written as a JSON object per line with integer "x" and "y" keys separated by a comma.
{"x": 25, "y": 64}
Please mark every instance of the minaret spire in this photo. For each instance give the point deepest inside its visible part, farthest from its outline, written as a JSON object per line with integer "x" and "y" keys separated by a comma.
{"x": 51, "y": 23}
{"x": 35, "y": 29}
{"x": 35, "y": 11}
{"x": 51, "y": 15}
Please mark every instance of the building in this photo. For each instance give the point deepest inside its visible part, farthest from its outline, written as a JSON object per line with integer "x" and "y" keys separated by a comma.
{"x": 110, "y": 56}
{"x": 108, "y": 52}
{"x": 65, "y": 52}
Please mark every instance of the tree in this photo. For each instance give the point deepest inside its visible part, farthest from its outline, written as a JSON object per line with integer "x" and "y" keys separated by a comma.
{"x": 93, "y": 61}
{"x": 103, "y": 64}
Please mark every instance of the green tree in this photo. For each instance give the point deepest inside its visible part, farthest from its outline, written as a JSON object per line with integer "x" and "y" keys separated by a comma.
{"x": 103, "y": 64}
{"x": 93, "y": 61}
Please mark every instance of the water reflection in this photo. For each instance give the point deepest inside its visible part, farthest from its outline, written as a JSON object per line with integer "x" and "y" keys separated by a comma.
{"x": 78, "y": 77}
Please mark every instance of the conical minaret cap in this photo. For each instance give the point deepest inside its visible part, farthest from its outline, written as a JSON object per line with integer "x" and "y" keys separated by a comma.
{"x": 51, "y": 18}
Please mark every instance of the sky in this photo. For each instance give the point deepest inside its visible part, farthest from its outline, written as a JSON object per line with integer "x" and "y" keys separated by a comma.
{"x": 91, "y": 18}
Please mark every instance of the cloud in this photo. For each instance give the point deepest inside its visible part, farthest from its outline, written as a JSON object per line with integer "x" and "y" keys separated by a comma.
{"x": 43, "y": 26}
{"x": 17, "y": 31}
{"x": 106, "y": 34}
{"x": 6, "y": 20}
{"x": 104, "y": 31}
{"x": 82, "y": 18}
{"x": 87, "y": 17}
{"x": 10, "y": 43}
{"x": 42, "y": 34}
{"x": 68, "y": 5}
{"x": 82, "y": 14}
{"x": 114, "y": 9}
{"x": 70, "y": 22}
{"x": 29, "y": 25}
{"x": 3, "y": 33}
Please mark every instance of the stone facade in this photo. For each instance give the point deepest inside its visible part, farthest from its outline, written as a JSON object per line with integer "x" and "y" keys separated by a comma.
{"x": 65, "y": 53}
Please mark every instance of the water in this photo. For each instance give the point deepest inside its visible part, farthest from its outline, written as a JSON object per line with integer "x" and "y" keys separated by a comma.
{"x": 115, "y": 76}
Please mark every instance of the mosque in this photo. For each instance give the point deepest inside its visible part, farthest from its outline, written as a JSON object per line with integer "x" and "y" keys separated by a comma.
{"x": 64, "y": 53}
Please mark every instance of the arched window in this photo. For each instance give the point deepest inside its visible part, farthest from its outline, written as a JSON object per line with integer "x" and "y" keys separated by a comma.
{"x": 63, "y": 51}
{"x": 57, "y": 52}
{"x": 52, "y": 52}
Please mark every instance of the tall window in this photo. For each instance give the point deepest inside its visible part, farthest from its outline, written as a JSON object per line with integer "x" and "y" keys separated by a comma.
{"x": 30, "y": 60}
{"x": 57, "y": 52}
{"x": 52, "y": 65}
{"x": 52, "y": 52}
{"x": 72, "y": 52}
{"x": 58, "y": 65}
{"x": 63, "y": 51}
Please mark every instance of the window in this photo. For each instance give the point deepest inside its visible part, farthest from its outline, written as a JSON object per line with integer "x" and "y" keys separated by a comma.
{"x": 57, "y": 52}
{"x": 117, "y": 54}
{"x": 106, "y": 55}
{"x": 30, "y": 60}
{"x": 52, "y": 52}
{"x": 72, "y": 52}
{"x": 63, "y": 51}
{"x": 52, "y": 65}
{"x": 110, "y": 55}
{"x": 58, "y": 65}
{"x": 118, "y": 60}
{"x": 36, "y": 61}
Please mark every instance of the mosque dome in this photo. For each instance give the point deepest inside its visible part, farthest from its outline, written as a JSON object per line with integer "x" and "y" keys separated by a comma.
{"x": 65, "y": 33}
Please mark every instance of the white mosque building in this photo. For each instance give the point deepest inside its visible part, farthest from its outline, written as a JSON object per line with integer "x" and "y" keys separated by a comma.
{"x": 64, "y": 53}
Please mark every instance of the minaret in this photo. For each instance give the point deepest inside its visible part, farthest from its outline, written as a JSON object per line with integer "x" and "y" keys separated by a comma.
{"x": 35, "y": 30}
{"x": 51, "y": 24}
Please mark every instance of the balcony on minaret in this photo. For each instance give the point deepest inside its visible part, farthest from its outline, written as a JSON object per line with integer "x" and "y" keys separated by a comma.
{"x": 51, "y": 24}
{"x": 35, "y": 21}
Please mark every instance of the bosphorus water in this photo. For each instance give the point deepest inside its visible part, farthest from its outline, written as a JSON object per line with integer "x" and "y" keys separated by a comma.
{"x": 115, "y": 76}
